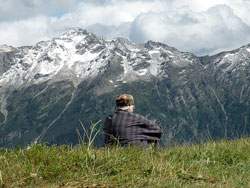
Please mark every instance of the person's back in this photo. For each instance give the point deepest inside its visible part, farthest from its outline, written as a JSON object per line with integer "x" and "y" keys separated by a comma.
{"x": 125, "y": 127}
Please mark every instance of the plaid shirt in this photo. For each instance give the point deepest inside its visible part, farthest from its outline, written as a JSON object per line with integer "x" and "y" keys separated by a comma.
{"x": 126, "y": 127}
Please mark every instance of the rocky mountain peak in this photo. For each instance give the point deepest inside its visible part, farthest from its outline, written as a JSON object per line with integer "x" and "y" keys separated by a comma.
{"x": 74, "y": 32}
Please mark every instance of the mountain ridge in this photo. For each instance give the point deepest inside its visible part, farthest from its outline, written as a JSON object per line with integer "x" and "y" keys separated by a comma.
{"x": 45, "y": 85}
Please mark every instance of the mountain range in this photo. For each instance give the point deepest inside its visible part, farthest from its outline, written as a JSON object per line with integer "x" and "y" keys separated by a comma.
{"x": 48, "y": 90}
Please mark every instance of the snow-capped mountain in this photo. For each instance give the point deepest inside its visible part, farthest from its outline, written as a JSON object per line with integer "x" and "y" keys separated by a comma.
{"x": 77, "y": 55}
{"x": 41, "y": 86}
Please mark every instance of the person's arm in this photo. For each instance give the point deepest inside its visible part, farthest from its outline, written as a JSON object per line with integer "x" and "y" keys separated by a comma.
{"x": 143, "y": 128}
{"x": 153, "y": 129}
{"x": 106, "y": 129}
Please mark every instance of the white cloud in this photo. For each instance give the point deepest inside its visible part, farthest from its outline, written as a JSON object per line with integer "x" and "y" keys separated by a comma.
{"x": 20, "y": 9}
{"x": 201, "y": 27}
{"x": 24, "y": 32}
{"x": 241, "y": 8}
{"x": 203, "y": 32}
{"x": 115, "y": 12}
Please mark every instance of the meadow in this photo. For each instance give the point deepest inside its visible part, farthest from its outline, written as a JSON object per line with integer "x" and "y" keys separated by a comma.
{"x": 214, "y": 164}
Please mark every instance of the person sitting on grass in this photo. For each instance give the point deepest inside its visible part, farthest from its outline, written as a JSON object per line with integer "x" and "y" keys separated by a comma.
{"x": 127, "y": 128}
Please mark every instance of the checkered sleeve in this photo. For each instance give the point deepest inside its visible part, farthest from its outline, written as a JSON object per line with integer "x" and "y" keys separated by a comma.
{"x": 106, "y": 130}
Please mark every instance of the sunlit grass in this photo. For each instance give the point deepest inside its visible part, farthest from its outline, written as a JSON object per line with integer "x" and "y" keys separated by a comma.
{"x": 214, "y": 164}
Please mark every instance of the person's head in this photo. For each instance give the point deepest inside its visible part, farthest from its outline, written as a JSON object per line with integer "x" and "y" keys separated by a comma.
{"x": 125, "y": 102}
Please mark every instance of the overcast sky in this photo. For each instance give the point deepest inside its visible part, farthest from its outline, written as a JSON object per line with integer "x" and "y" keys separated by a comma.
{"x": 203, "y": 27}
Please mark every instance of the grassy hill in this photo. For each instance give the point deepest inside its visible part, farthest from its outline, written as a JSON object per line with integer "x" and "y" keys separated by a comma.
{"x": 215, "y": 164}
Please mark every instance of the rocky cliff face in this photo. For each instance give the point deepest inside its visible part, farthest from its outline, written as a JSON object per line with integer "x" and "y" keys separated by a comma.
{"x": 47, "y": 88}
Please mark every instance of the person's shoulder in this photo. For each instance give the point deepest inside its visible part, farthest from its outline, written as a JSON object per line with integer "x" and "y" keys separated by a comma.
{"x": 139, "y": 116}
{"x": 130, "y": 114}
{"x": 144, "y": 119}
{"x": 109, "y": 117}
{"x": 121, "y": 112}
{"x": 126, "y": 113}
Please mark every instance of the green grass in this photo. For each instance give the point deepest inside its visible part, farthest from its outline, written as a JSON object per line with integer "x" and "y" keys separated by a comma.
{"x": 215, "y": 164}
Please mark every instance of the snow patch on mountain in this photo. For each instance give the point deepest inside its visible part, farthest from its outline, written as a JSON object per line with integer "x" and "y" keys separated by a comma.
{"x": 228, "y": 55}
{"x": 47, "y": 59}
{"x": 5, "y": 48}
{"x": 142, "y": 72}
